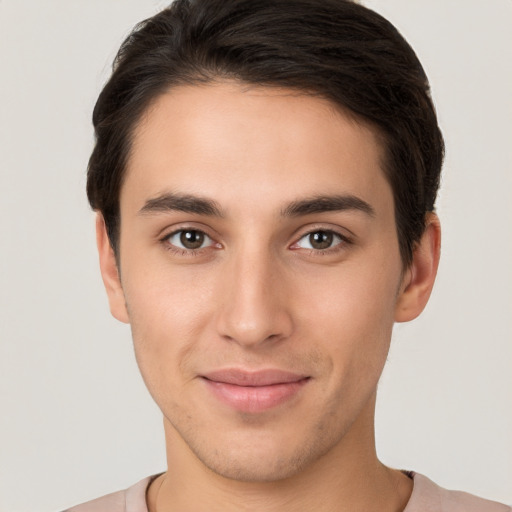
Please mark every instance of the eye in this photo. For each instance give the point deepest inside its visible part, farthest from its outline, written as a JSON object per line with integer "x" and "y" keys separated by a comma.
{"x": 189, "y": 239}
{"x": 320, "y": 240}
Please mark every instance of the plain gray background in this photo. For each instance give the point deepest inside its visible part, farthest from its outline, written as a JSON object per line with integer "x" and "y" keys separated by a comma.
{"x": 75, "y": 419}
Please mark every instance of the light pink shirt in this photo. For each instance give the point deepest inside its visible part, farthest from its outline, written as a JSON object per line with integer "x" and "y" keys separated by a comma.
{"x": 426, "y": 497}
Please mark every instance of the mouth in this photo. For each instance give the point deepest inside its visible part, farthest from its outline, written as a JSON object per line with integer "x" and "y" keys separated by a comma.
{"x": 253, "y": 392}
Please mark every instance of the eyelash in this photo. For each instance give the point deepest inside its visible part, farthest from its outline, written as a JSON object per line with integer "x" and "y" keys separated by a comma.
{"x": 313, "y": 252}
{"x": 185, "y": 252}
{"x": 344, "y": 241}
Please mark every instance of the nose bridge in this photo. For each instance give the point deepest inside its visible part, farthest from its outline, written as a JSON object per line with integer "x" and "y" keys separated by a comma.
{"x": 253, "y": 310}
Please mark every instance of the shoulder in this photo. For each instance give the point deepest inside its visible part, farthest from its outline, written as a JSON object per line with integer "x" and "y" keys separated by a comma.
{"x": 114, "y": 502}
{"x": 132, "y": 499}
{"x": 429, "y": 497}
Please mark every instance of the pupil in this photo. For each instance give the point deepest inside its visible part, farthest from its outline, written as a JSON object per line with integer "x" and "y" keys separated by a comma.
{"x": 192, "y": 239}
{"x": 321, "y": 239}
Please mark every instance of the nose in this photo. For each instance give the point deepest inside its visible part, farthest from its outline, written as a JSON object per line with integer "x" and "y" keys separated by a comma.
{"x": 254, "y": 309}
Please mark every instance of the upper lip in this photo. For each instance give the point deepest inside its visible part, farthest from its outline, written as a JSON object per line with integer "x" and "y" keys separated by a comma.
{"x": 265, "y": 377}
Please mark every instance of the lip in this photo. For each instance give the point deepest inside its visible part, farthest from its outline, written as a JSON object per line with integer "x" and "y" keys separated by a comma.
{"x": 254, "y": 391}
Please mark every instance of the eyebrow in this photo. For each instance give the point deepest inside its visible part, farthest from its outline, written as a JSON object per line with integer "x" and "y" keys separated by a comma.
{"x": 182, "y": 203}
{"x": 327, "y": 203}
{"x": 202, "y": 206}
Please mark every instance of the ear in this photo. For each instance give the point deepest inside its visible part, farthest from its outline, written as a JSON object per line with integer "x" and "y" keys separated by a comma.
{"x": 419, "y": 278}
{"x": 110, "y": 273}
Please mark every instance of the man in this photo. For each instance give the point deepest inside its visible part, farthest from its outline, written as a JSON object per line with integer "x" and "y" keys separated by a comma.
{"x": 265, "y": 174}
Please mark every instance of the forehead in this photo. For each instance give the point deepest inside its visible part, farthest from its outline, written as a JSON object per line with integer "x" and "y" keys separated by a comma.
{"x": 229, "y": 139}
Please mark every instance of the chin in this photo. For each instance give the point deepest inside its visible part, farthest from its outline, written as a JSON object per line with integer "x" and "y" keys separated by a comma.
{"x": 259, "y": 458}
{"x": 256, "y": 468}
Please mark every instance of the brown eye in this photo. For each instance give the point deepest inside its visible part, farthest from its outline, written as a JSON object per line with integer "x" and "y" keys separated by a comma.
{"x": 190, "y": 239}
{"x": 321, "y": 239}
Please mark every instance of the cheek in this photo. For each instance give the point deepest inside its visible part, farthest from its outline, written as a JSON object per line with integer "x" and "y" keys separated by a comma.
{"x": 167, "y": 314}
{"x": 163, "y": 299}
{"x": 353, "y": 317}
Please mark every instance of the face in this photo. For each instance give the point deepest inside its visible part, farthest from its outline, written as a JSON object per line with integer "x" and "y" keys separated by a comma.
{"x": 260, "y": 273}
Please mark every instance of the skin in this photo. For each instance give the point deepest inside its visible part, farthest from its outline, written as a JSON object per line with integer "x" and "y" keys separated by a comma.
{"x": 259, "y": 293}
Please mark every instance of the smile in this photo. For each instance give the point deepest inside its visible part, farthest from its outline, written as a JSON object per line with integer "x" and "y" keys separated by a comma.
{"x": 254, "y": 392}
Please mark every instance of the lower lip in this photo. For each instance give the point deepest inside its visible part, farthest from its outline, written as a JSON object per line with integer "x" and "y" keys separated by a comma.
{"x": 253, "y": 399}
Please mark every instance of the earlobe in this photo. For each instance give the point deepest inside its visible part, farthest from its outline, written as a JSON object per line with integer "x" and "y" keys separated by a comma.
{"x": 420, "y": 276}
{"x": 110, "y": 273}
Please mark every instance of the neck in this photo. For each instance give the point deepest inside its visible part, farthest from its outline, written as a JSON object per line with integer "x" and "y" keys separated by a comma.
{"x": 347, "y": 478}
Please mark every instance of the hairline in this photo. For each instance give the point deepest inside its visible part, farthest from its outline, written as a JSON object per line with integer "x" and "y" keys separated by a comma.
{"x": 219, "y": 78}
